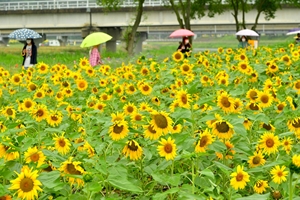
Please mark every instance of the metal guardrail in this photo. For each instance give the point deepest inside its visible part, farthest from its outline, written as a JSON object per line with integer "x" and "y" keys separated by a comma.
{"x": 66, "y": 4}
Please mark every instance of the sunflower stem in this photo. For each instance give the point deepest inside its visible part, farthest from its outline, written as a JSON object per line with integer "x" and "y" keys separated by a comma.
{"x": 291, "y": 186}
{"x": 193, "y": 178}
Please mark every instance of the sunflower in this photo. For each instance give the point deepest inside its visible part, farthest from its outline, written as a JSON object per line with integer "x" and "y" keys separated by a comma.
{"x": 269, "y": 143}
{"x": 260, "y": 186}
{"x": 167, "y": 148}
{"x": 225, "y": 102}
{"x": 34, "y": 155}
{"x": 28, "y": 104}
{"x": 183, "y": 98}
{"x": 136, "y": 117}
{"x": 129, "y": 108}
{"x": 265, "y": 99}
{"x": 40, "y": 112}
{"x": 118, "y": 130}
{"x": 99, "y": 106}
{"x": 253, "y": 106}
{"x": 62, "y": 144}
{"x": 287, "y": 144}
{"x": 177, "y": 128}
{"x": 73, "y": 168}
{"x": 296, "y": 86}
{"x": 257, "y": 159}
{"x": 280, "y": 106}
{"x": 222, "y": 129}
{"x": 145, "y": 89}
{"x": 9, "y": 112}
{"x": 247, "y": 124}
{"x": 144, "y": 71}
{"x": 130, "y": 89}
{"x": 39, "y": 94}
{"x": 27, "y": 184}
{"x": 244, "y": 68}
{"x": 286, "y": 59}
{"x": 118, "y": 117}
{"x": 31, "y": 87}
{"x": 16, "y": 79}
{"x": 3, "y": 128}
{"x": 133, "y": 150}
{"x": 54, "y": 118}
{"x": 8, "y": 152}
{"x": 252, "y": 94}
{"x": 205, "y": 139}
{"x": 68, "y": 92}
{"x": 161, "y": 122}
{"x": 294, "y": 125}
{"x": 84, "y": 62}
{"x": 296, "y": 160}
{"x": 239, "y": 178}
{"x": 177, "y": 56}
{"x": 150, "y": 133}
{"x": 278, "y": 174}
{"x": 82, "y": 84}
{"x": 272, "y": 68}
{"x": 267, "y": 127}
{"x": 186, "y": 68}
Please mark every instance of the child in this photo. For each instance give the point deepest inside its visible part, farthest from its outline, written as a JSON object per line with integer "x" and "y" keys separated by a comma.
{"x": 95, "y": 58}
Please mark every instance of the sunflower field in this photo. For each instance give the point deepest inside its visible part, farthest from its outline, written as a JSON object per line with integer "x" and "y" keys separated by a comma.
{"x": 215, "y": 125}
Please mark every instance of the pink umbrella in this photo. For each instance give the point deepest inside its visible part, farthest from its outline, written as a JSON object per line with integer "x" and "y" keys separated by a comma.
{"x": 182, "y": 33}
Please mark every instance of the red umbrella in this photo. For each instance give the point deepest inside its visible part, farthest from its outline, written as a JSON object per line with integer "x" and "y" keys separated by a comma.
{"x": 182, "y": 33}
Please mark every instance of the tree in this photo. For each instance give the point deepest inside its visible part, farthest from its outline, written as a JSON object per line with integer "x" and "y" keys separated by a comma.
{"x": 187, "y": 10}
{"x": 131, "y": 30}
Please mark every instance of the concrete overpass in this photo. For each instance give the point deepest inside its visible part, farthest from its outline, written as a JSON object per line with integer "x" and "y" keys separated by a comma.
{"x": 69, "y": 17}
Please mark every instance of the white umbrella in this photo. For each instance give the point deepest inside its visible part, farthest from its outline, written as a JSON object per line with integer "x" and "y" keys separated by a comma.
{"x": 294, "y": 31}
{"x": 247, "y": 32}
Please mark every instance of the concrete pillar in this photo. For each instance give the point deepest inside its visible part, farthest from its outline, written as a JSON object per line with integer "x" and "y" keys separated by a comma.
{"x": 139, "y": 39}
{"x": 4, "y": 41}
{"x": 40, "y": 40}
{"x": 116, "y": 34}
{"x": 63, "y": 40}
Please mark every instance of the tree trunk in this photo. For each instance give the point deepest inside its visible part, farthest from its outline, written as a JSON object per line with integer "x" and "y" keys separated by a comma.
{"x": 175, "y": 9}
{"x": 256, "y": 21}
{"x": 132, "y": 34}
{"x": 235, "y": 5}
{"x": 243, "y": 12}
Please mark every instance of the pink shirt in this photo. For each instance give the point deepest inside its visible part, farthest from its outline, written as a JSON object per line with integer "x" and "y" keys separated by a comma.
{"x": 95, "y": 58}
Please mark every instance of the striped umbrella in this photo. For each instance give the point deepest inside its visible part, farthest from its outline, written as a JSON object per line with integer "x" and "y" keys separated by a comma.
{"x": 23, "y": 34}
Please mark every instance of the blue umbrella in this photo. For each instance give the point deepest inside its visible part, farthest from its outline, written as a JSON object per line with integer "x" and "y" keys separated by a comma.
{"x": 23, "y": 34}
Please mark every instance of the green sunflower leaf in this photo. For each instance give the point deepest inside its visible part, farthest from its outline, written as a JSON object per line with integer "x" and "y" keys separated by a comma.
{"x": 256, "y": 197}
{"x": 50, "y": 179}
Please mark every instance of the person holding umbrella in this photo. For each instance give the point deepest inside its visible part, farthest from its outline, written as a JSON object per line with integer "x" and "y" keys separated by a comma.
{"x": 185, "y": 47}
{"x": 29, "y": 53}
{"x": 95, "y": 58}
{"x": 243, "y": 42}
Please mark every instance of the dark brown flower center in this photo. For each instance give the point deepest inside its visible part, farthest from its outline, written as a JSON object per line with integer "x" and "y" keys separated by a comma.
{"x": 26, "y": 184}
{"x": 61, "y": 142}
{"x": 239, "y": 177}
{"x": 264, "y": 98}
{"x": 35, "y": 157}
{"x": 151, "y": 130}
{"x": 280, "y": 107}
{"x": 256, "y": 160}
{"x": 270, "y": 142}
{"x": 9, "y": 111}
{"x": 253, "y": 95}
{"x": 118, "y": 129}
{"x": 72, "y": 170}
{"x": 160, "y": 121}
{"x": 253, "y": 106}
{"x": 131, "y": 145}
{"x": 267, "y": 126}
{"x": 203, "y": 141}
{"x": 296, "y": 123}
{"x": 222, "y": 127}
{"x": 54, "y": 118}
{"x": 130, "y": 109}
{"x": 225, "y": 102}
{"x": 168, "y": 148}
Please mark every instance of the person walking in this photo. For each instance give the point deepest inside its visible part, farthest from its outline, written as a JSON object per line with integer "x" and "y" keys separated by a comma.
{"x": 29, "y": 53}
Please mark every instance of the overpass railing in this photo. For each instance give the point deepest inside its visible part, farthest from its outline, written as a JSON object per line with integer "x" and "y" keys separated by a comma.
{"x": 66, "y": 4}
